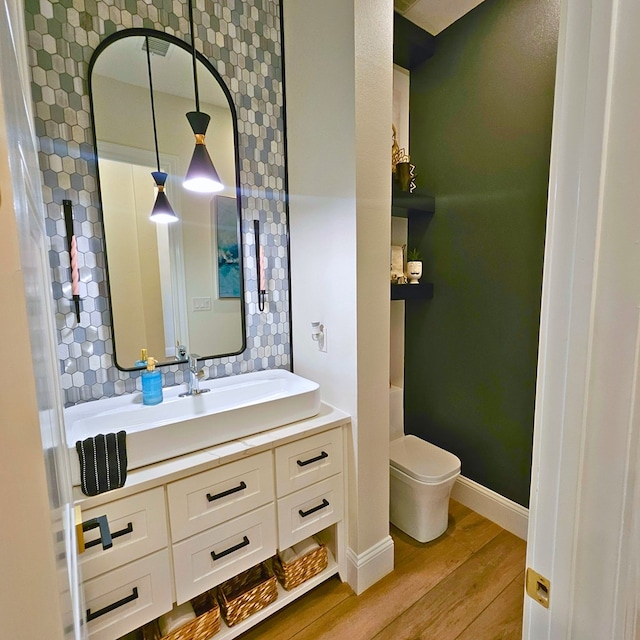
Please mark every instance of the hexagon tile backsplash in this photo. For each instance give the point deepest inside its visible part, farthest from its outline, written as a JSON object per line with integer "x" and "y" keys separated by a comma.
{"x": 242, "y": 39}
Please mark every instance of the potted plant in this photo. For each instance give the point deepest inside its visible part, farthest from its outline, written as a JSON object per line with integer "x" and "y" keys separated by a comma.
{"x": 414, "y": 266}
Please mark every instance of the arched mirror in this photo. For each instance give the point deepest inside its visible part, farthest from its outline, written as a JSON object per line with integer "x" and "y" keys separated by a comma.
{"x": 174, "y": 288}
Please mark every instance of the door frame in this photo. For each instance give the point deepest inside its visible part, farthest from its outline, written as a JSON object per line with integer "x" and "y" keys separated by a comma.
{"x": 38, "y": 559}
{"x": 583, "y": 487}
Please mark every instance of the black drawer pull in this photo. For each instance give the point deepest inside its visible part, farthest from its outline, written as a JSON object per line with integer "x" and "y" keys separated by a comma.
{"x": 228, "y": 492}
{"x": 245, "y": 542}
{"x": 322, "y": 456}
{"x": 117, "y": 534}
{"x": 112, "y": 607}
{"x": 304, "y": 514}
{"x": 105, "y": 535}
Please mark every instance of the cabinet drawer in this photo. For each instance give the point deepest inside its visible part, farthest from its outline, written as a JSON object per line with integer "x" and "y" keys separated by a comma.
{"x": 309, "y": 510}
{"x": 237, "y": 545}
{"x": 209, "y": 498}
{"x": 125, "y": 598}
{"x": 138, "y": 526}
{"x": 300, "y": 464}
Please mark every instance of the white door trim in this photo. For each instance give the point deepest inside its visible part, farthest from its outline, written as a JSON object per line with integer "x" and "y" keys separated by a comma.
{"x": 578, "y": 537}
{"x": 38, "y": 533}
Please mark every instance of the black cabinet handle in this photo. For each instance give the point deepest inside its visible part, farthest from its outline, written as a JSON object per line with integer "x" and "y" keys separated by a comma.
{"x": 105, "y": 535}
{"x": 322, "y": 456}
{"x": 245, "y": 542}
{"x": 228, "y": 492}
{"x": 112, "y": 607}
{"x": 117, "y": 534}
{"x": 304, "y": 514}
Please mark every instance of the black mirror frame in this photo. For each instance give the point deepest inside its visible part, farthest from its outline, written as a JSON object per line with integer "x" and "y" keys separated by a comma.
{"x": 160, "y": 35}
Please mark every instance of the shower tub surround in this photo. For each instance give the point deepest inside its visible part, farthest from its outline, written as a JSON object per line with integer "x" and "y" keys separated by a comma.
{"x": 242, "y": 39}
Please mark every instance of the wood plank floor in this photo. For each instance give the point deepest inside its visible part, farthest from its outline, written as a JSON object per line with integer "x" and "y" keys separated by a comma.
{"x": 467, "y": 585}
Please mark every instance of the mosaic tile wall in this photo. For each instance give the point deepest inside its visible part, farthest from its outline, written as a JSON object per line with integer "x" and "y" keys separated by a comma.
{"x": 242, "y": 39}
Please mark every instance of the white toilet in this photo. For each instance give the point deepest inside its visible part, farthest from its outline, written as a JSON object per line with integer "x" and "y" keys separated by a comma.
{"x": 422, "y": 477}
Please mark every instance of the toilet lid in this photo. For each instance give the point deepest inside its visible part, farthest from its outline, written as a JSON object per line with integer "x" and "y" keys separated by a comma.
{"x": 422, "y": 460}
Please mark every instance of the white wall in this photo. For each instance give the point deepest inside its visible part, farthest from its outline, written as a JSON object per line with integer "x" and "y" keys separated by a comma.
{"x": 399, "y": 235}
{"x": 339, "y": 101}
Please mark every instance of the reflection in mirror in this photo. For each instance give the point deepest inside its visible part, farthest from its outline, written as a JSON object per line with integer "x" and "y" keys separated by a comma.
{"x": 175, "y": 288}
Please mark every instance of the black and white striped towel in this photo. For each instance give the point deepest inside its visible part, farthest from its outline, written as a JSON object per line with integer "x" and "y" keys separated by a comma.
{"x": 103, "y": 462}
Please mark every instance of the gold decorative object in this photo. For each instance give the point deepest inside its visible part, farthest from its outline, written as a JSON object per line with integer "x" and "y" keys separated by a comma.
{"x": 401, "y": 167}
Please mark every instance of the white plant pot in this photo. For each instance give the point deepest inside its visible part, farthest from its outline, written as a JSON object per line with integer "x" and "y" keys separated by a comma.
{"x": 414, "y": 271}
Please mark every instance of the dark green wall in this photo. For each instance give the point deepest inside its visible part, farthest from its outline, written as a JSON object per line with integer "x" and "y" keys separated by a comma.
{"x": 481, "y": 112}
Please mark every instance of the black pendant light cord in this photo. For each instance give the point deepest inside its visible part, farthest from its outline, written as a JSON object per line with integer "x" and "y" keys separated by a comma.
{"x": 153, "y": 107}
{"x": 193, "y": 52}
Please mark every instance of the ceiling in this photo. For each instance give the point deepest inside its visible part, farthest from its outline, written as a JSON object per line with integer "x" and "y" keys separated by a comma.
{"x": 125, "y": 60}
{"x": 172, "y": 72}
{"x": 434, "y": 15}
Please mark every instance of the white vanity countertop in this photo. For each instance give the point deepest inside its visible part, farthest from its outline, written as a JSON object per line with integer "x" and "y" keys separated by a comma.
{"x": 185, "y": 465}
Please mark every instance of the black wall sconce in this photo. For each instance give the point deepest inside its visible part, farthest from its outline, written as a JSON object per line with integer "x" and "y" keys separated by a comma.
{"x": 260, "y": 267}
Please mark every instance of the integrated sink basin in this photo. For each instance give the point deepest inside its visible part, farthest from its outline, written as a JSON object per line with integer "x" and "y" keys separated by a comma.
{"x": 235, "y": 407}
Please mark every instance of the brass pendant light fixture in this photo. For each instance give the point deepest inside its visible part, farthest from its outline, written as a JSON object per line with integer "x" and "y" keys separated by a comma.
{"x": 201, "y": 175}
{"x": 162, "y": 211}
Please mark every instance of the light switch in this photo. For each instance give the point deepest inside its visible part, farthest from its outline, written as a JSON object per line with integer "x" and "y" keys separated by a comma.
{"x": 201, "y": 304}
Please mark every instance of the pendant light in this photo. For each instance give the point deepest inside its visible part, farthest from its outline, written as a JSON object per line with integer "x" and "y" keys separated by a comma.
{"x": 162, "y": 211}
{"x": 201, "y": 175}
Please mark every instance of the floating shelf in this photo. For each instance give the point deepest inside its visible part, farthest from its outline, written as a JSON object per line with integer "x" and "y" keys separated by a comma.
{"x": 422, "y": 291}
{"x": 404, "y": 203}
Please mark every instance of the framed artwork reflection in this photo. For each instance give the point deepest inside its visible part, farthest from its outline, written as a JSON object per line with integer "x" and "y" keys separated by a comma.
{"x": 225, "y": 213}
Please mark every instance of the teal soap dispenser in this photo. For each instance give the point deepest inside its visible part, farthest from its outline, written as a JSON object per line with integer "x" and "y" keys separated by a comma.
{"x": 151, "y": 383}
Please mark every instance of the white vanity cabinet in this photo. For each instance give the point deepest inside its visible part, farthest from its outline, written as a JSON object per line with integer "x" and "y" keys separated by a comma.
{"x": 129, "y": 582}
{"x": 137, "y": 526}
{"x": 206, "y": 499}
{"x": 183, "y": 526}
{"x": 128, "y": 597}
{"x": 230, "y": 510}
{"x": 309, "y": 486}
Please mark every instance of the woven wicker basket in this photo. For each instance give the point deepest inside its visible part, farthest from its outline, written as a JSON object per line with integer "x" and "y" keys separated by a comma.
{"x": 297, "y": 571}
{"x": 247, "y": 593}
{"x": 203, "y": 627}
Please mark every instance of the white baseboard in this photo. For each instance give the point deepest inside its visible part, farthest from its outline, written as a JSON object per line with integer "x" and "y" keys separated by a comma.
{"x": 367, "y": 568}
{"x": 504, "y": 512}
